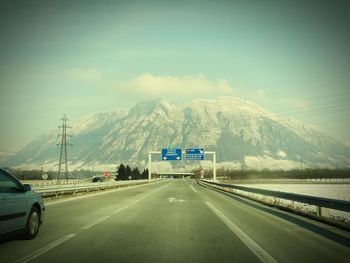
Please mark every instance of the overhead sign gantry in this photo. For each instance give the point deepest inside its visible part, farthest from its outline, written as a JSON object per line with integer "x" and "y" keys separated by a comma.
{"x": 175, "y": 154}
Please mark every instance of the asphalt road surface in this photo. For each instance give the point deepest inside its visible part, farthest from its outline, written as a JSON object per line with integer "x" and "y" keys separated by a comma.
{"x": 175, "y": 221}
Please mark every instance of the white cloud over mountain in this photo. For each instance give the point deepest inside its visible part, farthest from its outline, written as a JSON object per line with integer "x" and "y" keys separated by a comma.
{"x": 149, "y": 85}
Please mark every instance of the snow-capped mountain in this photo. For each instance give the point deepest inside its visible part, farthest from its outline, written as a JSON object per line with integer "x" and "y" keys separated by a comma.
{"x": 242, "y": 134}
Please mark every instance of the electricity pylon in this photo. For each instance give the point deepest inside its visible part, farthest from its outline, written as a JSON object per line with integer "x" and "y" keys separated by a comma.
{"x": 63, "y": 152}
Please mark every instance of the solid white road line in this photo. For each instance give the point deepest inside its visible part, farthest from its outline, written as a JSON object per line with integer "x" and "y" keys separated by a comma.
{"x": 250, "y": 243}
{"x": 91, "y": 224}
{"x": 194, "y": 189}
{"x": 44, "y": 249}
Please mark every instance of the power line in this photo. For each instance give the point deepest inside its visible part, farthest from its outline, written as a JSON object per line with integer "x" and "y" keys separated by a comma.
{"x": 319, "y": 98}
{"x": 330, "y": 121}
{"x": 331, "y": 105}
{"x": 319, "y": 113}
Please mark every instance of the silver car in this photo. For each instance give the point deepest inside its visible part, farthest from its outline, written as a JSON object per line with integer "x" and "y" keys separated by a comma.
{"x": 21, "y": 209}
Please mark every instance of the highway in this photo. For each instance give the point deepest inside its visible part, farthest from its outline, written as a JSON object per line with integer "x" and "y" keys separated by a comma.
{"x": 175, "y": 220}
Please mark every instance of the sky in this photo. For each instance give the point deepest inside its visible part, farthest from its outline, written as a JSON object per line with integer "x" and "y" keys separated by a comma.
{"x": 78, "y": 57}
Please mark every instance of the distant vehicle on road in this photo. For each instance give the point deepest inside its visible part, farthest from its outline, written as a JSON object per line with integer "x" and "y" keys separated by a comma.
{"x": 21, "y": 209}
{"x": 96, "y": 179}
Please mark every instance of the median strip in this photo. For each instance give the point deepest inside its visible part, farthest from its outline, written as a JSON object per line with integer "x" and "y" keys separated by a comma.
{"x": 61, "y": 190}
{"x": 250, "y": 243}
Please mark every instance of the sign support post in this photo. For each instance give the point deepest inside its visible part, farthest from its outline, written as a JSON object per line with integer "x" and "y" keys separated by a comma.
{"x": 150, "y": 164}
{"x": 214, "y": 164}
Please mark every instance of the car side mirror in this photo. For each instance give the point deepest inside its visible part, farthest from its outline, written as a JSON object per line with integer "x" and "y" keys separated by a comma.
{"x": 26, "y": 187}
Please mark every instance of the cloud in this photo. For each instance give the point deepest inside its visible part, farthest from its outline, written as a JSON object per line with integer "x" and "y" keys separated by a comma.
{"x": 148, "y": 85}
{"x": 82, "y": 74}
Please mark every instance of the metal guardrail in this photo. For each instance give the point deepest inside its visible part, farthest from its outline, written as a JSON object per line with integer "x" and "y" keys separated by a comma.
{"x": 56, "y": 190}
{"x": 319, "y": 202}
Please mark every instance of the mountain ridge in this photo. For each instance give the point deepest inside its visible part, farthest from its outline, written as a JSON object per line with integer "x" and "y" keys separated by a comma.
{"x": 241, "y": 132}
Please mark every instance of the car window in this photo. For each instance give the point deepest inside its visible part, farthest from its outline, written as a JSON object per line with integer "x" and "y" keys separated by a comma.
{"x": 8, "y": 184}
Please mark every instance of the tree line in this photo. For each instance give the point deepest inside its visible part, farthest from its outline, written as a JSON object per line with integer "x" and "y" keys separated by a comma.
{"x": 126, "y": 173}
{"x": 122, "y": 173}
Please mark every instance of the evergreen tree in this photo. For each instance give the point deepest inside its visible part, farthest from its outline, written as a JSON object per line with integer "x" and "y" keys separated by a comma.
{"x": 136, "y": 175}
{"x": 144, "y": 174}
{"x": 121, "y": 173}
{"x": 128, "y": 172}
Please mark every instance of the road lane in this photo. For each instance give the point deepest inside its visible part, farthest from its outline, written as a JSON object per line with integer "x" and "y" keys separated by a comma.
{"x": 65, "y": 218}
{"x": 33, "y": 255}
{"x": 171, "y": 222}
{"x": 157, "y": 230}
{"x": 285, "y": 236}
{"x": 247, "y": 240}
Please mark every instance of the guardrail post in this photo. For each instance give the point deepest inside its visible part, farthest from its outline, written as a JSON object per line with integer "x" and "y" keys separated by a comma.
{"x": 149, "y": 166}
{"x": 214, "y": 167}
{"x": 319, "y": 210}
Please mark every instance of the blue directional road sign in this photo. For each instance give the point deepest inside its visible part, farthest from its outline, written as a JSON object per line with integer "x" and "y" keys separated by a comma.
{"x": 195, "y": 154}
{"x": 171, "y": 154}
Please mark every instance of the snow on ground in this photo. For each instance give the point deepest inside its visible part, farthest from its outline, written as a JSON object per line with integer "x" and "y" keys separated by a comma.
{"x": 333, "y": 191}
{"x": 281, "y": 154}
